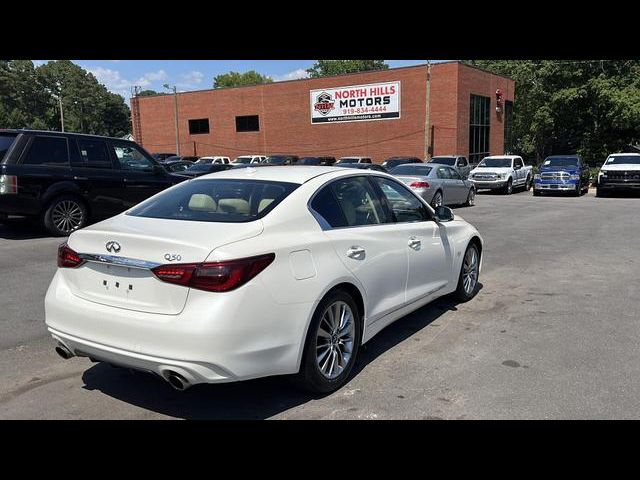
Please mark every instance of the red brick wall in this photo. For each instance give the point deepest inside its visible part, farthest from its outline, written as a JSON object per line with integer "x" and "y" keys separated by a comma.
{"x": 285, "y": 119}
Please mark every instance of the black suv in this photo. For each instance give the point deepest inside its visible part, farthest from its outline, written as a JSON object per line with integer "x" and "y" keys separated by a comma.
{"x": 392, "y": 162}
{"x": 66, "y": 179}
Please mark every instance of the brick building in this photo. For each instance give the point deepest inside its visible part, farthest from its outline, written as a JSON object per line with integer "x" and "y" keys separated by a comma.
{"x": 462, "y": 110}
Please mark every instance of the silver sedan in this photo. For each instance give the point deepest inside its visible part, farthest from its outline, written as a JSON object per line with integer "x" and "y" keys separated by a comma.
{"x": 437, "y": 184}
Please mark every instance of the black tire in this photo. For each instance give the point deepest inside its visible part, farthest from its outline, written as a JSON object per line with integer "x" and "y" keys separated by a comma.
{"x": 461, "y": 293}
{"x": 471, "y": 197}
{"x": 508, "y": 188}
{"x": 600, "y": 193}
{"x": 435, "y": 195}
{"x": 536, "y": 193}
{"x": 527, "y": 184}
{"x": 61, "y": 224}
{"x": 310, "y": 377}
{"x": 578, "y": 190}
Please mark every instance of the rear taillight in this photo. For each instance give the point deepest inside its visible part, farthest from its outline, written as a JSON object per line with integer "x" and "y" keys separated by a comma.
{"x": 67, "y": 258}
{"x": 214, "y": 276}
{"x": 419, "y": 185}
{"x": 8, "y": 184}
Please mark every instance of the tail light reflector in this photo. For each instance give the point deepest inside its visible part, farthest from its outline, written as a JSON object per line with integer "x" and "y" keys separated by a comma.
{"x": 214, "y": 276}
{"x": 68, "y": 258}
{"x": 419, "y": 185}
{"x": 8, "y": 184}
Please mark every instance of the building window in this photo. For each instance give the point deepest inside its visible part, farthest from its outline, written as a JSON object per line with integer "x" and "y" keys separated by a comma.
{"x": 508, "y": 124}
{"x": 479, "y": 120}
{"x": 248, "y": 123}
{"x": 199, "y": 126}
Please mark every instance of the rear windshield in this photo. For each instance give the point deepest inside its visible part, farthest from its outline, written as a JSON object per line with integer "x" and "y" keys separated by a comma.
{"x": 216, "y": 200}
{"x": 410, "y": 170}
{"x": 6, "y": 140}
{"x": 443, "y": 160}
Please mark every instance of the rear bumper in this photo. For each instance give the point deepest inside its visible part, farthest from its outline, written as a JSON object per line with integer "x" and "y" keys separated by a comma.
{"x": 216, "y": 338}
{"x": 16, "y": 204}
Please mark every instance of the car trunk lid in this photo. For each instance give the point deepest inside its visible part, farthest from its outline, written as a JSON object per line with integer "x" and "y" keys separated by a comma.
{"x": 121, "y": 252}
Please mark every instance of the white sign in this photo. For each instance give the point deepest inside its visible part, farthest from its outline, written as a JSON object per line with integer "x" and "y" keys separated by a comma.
{"x": 357, "y": 103}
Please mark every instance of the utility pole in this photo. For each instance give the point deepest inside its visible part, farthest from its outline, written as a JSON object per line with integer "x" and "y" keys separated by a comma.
{"x": 175, "y": 111}
{"x": 427, "y": 123}
{"x": 60, "y": 105}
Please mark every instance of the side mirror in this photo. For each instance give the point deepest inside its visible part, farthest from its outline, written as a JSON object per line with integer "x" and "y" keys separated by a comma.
{"x": 444, "y": 214}
{"x": 159, "y": 170}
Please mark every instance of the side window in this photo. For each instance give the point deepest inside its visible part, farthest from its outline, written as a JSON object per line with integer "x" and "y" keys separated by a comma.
{"x": 131, "y": 158}
{"x": 454, "y": 174}
{"x": 94, "y": 154}
{"x": 443, "y": 173}
{"x": 462, "y": 162}
{"x": 404, "y": 204}
{"x": 365, "y": 160}
{"x": 326, "y": 205}
{"x": 518, "y": 162}
{"x": 51, "y": 151}
{"x": 358, "y": 201}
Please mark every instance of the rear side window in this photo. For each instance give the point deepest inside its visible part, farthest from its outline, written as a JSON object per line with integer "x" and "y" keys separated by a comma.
{"x": 6, "y": 140}
{"x": 94, "y": 154}
{"x": 216, "y": 200}
{"x": 52, "y": 151}
{"x": 443, "y": 173}
{"x": 326, "y": 205}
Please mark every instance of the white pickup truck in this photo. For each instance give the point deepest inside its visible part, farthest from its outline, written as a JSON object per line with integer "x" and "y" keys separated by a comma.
{"x": 504, "y": 172}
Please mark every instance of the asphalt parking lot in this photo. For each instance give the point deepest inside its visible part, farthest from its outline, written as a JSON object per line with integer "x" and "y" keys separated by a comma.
{"x": 553, "y": 333}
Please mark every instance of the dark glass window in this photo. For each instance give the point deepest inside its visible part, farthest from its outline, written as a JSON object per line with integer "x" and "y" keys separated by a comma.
{"x": 94, "y": 154}
{"x": 479, "y": 126}
{"x": 6, "y": 140}
{"x": 47, "y": 151}
{"x": 248, "y": 123}
{"x": 404, "y": 205}
{"x": 199, "y": 126}
{"x": 359, "y": 202}
{"x": 326, "y": 205}
{"x": 508, "y": 126}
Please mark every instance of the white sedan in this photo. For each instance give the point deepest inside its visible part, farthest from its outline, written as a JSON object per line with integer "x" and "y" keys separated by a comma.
{"x": 255, "y": 272}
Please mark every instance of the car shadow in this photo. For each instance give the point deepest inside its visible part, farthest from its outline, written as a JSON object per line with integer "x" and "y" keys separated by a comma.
{"x": 252, "y": 399}
{"x": 21, "y": 229}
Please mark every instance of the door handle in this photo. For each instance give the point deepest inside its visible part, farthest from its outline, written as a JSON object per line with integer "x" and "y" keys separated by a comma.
{"x": 414, "y": 243}
{"x": 80, "y": 178}
{"x": 357, "y": 253}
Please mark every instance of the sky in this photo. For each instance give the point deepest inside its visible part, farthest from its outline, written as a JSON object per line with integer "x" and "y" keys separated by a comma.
{"x": 119, "y": 76}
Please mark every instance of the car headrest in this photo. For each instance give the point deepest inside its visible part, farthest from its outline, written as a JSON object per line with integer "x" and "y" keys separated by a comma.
{"x": 202, "y": 202}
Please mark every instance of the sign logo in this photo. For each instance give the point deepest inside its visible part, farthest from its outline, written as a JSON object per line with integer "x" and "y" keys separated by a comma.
{"x": 172, "y": 257}
{"x": 324, "y": 103}
{"x": 113, "y": 247}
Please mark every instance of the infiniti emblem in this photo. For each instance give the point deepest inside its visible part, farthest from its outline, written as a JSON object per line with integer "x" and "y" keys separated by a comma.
{"x": 113, "y": 247}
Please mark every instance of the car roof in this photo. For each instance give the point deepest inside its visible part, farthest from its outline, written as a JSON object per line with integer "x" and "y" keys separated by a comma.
{"x": 60, "y": 134}
{"x": 624, "y": 154}
{"x": 503, "y": 156}
{"x": 299, "y": 174}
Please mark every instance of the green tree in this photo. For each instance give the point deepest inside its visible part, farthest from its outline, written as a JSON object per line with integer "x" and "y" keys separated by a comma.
{"x": 236, "y": 79}
{"x": 587, "y": 107}
{"x": 324, "y": 68}
{"x": 148, "y": 93}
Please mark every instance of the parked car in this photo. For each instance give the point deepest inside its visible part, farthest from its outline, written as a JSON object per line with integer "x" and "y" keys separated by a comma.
{"x": 176, "y": 158}
{"x": 620, "y": 172}
{"x": 562, "y": 173}
{"x": 229, "y": 277}
{"x": 503, "y": 172}
{"x": 392, "y": 162}
{"x": 316, "y": 161}
{"x": 160, "y": 157}
{"x": 459, "y": 162}
{"x": 64, "y": 180}
{"x": 281, "y": 160}
{"x": 436, "y": 184}
{"x": 364, "y": 166}
{"x": 353, "y": 160}
{"x": 214, "y": 160}
{"x": 249, "y": 159}
{"x": 177, "y": 166}
{"x": 199, "y": 169}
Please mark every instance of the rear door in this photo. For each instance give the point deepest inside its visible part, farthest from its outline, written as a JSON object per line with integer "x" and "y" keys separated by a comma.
{"x": 366, "y": 241}
{"x": 520, "y": 173}
{"x": 140, "y": 177}
{"x": 457, "y": 186}
{"x": 462, "y": 165}
{"x": 93, "y": 170}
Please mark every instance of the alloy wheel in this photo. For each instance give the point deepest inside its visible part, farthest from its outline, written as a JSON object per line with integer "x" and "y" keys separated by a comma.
{"x": 470, "y": 271}
{"x": 67, "y": 216}
{"x": 335, "y": 339}
{"x": 437, "y": 200}
{"x": 472, "y": 197}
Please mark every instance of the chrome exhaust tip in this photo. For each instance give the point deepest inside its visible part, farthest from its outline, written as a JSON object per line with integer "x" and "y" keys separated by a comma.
{"x": 178, "y": 382}
{"x": 64, "y": 352}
